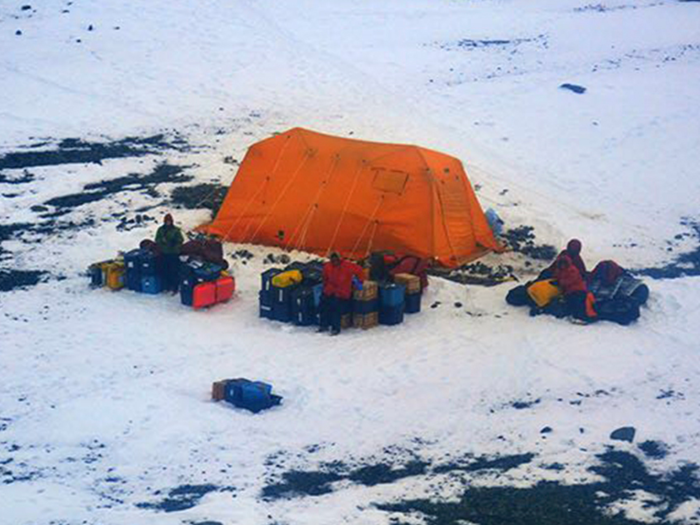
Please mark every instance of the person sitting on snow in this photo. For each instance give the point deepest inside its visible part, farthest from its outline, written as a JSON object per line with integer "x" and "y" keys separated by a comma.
{"x": 169, "y": 239}
{"x": 573, "y": 252}
{"x": 579, "y": 301}
{"x": 338, "y": 278}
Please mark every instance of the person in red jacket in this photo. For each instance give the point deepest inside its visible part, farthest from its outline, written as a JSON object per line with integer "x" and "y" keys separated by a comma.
{"x": 573, "y": 252}
{"x": 579, "y": 300}
{"x": 338, "y": 276}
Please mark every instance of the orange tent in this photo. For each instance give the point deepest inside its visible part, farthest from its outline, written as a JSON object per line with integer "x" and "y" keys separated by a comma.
{"x": 319, "y": 193}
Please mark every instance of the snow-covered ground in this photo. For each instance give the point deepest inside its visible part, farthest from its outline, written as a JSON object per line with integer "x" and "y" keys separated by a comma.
{"x": 104, "y": 398}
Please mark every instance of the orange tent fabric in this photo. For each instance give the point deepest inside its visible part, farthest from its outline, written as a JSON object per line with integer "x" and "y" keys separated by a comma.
{"x": 320, "y": 193}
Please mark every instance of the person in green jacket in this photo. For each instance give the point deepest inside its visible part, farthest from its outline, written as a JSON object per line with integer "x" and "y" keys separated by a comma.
{"x": 169, "y": 239}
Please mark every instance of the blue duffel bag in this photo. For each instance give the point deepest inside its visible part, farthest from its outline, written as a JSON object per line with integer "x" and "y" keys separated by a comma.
{"x": 250, "y": 395}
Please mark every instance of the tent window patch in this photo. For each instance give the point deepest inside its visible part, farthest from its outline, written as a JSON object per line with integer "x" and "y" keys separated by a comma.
{"x": 390, "y": 181}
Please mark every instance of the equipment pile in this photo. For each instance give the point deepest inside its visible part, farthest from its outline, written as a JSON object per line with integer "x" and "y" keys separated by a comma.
{"x": 293, "y": 295}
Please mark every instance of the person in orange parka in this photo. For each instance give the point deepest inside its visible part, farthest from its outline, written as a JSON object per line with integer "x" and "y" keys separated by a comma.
{"x": 579, "y": 301}
{"x": 338, "y": 278}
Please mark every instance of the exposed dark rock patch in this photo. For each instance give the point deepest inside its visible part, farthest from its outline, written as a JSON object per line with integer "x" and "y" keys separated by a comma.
{"x": 207, "y": 195}
{"x": 78, "y": 151}
{"x": 183, "y": 497}
{"x": 684, "y": 265}
{"x": 623, "y": 434}
{"x": 24, "y": 178}
{"x": 97, "y": 191}
{"x": 574, "y": 88}
{"x": 522, "y": 240}
{"x": 654, "y": 449}
{"x": 16, "y": 279}
{"x": 552, "y": 503}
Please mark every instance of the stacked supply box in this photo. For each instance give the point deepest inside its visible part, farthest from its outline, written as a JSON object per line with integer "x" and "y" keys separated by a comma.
{"x": 142, "y": 271}
{"x": 292, "y": 295}
{"x": 391, "y": 303}
{"x": 194, "y": 274}
{"x": 266, "y": 292}
{"x": 413, "y": 291}
{"x": 305, "y": 305}
{"x": 366, "y": 306}
{"x": 113, "y": 274}
{"x": 132, "y": 261}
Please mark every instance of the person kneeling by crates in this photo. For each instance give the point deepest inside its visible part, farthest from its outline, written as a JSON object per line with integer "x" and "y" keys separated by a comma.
{"x": 338, "y": 278}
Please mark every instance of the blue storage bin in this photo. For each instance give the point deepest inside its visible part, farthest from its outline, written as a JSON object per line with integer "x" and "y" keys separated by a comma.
{"x": 391, "y": 294}
{"x": 304, "y": 311}
{"x": 148, "y": 263}
{"x": 186, "y": 294}
{"x": 282, "y": 312}
{"x": 132, "y": 259}
{"x": 391, "y": 315}
{"x": 318, "y": 292}
{"x": 95, "y": 274}
{"x": 266, "y": 278}
{"x": 413, "y": 301}
{"x": 365, "y": 307}
{"x": 132, "y": 280}
{"x": 266, "y": 311}
{"x": 151, "y": 284}
{"x": 251, "y": 395}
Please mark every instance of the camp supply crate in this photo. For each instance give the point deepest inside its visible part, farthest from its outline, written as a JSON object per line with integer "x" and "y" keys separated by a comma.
{"x": 370, "y": 291}
{"x": 251, "y": 395}
{"x": 204, "y": 295}
{"x": 410, "y": 281}
{"x": 148, "y": 263}
{"x": 218, "y": 390}
{"x": 391, "y": 294}
{"x": 114, "y": 275}
{"x": 151, "y": 284}
{"x": 304, "y": 310}
{"x": 391, "y": 315}
{"x": 266, "y": 278}
{"x": 413, "y": 303}
{"x": 186, "y": 294}
{"x": 365, "y": 307}
{"x": 365, "y": 321}
{"x": 345, "y": 321}
{"x": 225, "y": 286}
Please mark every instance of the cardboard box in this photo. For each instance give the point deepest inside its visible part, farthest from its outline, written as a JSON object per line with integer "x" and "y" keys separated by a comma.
{"x": 411, "y": 282}
{"x": 345, "y": 321}
{"x": 369, "y": 291}
{"x": 366, "y": 321}
{"x": 218, "y": 390}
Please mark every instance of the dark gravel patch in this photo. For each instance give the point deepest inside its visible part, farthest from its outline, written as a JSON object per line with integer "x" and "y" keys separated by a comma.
{"x": 685, "y": 264}
{"x": 97, "y": 191}
{"x": 182, "y": 498}
{"x": 209, "y": 196}
{"x": 522, "y": 240}
{"x": 476, "y": 273}
{"x": 22, "y": 179}
{"x": 19, "y": 279}
{"x": 78, "y": 151}
{"x": 552, "y": 503}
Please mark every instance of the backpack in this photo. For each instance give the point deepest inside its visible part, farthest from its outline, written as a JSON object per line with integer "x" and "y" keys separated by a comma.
{"x": 543, "y": 292}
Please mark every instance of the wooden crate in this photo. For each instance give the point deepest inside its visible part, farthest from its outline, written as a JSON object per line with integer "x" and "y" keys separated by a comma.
{"x": 365, "y": 321}
{"x": 217, "y": 390}
{"x": 411, "y": 282}
{"x": 369, "y": 291}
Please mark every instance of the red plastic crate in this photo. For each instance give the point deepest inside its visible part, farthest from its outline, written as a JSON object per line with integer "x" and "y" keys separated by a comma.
{"x": 225, "y": 286}
{"x": 204, "y": 295}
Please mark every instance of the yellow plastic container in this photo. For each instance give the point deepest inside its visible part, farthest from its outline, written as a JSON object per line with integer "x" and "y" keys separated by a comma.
{"x": 284, "y": 279}
{"x": 543, "y": 292}
{"x": 114, "y": 275}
